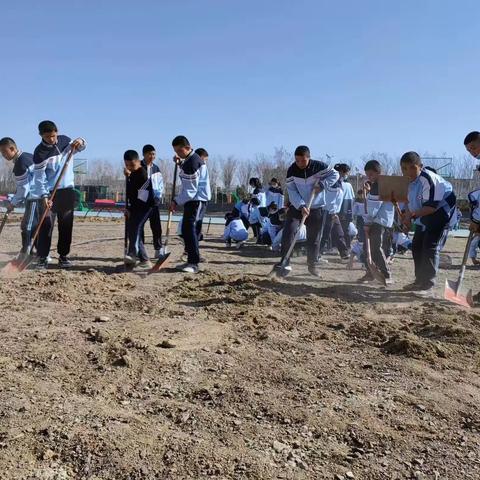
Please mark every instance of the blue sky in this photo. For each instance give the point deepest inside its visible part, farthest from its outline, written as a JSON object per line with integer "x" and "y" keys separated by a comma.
{"x": 240, "y": 77}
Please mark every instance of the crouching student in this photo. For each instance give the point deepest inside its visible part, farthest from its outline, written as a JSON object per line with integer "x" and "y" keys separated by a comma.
{"x": 430, "y": 204}
{"x": 140, "y": 201}
{"x": 235, "y": 230}
{"x": 242, "y": 208}
{"x": 274, "y": 194}
{"x": 378, "y": 217}
{"x": 271, "y": 226}
{"x": 256, "y": 219}
{"x": 23, "y": 172}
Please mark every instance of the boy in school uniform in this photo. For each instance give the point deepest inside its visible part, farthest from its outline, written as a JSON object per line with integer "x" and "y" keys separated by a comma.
{"x": 431, "y": 201}
{"x": 472, "y": 144}
{"x": 304, "y": 177}
{"x": 345, "y": 215}
{"x": 49, "y": 158}
{"x": 274, "y": 194}
{"x": 194, "y": 194}
{"x": 23, "y": 172}
{"x": 140, "y": 201}
{"x": 156, "y": 179}
{"x": 378, "y": 217}
{"x": 255, "y": 218}
{"x": 203, "y": 154}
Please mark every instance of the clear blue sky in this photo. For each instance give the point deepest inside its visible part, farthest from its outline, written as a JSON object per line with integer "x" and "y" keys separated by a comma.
{"x": 243, "y": 76}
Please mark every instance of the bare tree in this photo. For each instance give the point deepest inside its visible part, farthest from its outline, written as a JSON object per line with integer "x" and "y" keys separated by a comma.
{"x": 245, "y": 169}
{"x": 228, "y": 172}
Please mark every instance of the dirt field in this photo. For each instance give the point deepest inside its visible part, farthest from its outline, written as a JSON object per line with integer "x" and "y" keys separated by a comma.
{"x": 229, "y": 374}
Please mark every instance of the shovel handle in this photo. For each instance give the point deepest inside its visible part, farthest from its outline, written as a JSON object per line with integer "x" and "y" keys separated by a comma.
{"x": 169, "y": 219}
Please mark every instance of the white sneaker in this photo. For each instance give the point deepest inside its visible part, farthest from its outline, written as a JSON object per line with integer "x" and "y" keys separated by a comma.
{"x": 427, "y": 293}
{"x": 129, "y": 260}
{"x": 240, "y": 245}
{"x": 190, "y": 268}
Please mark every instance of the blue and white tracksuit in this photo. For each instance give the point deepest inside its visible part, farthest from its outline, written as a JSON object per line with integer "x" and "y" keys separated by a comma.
{"x": 194, "y": 193}
{"x": 158, "y": 190}
{"x": 49, "y": 161}
{"x": 235, "y": 231}
{"x": 275, "y": 195}
{"x": 23, "y": 172}
{"x": 378, "y": 217}
{"x": 429, "y": 190}
{"x": 300, "y": 184}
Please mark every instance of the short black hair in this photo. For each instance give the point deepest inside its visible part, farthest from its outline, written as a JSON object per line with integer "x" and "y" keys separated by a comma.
{"x": 255, "y": 201}
{"x": 374, "y": 166}
{"x": 274, "y": 180}
{"x": 47, "y": 126}
{"x": 130, "y": 155}
{"x": 147, "y": 149}
{"x": 7, "y": 142}
{"x": 411, "y": 158}
{"x": 471, "y": 137}
{"x": 180, "y": 141}
{"x": 255, "y": 182}
{"x": 342, "y": 167}
{"x": 201, "y": 152}
{"x": 273, "y": 205}
{"x": 302, "y": 150}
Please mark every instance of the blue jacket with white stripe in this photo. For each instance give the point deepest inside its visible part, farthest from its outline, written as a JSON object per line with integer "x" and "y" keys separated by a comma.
{"x": 430, "y": 190}
{"x": 300, "y": 183}
{"x": 23, "y": 172}
{"x": 48, "y": 163}
{"x": 474, "y": 199}
{"x": 195, "y": 180}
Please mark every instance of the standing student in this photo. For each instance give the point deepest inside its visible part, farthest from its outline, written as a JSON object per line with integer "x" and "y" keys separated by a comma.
{"x": 431, "y": 201}
{"x": 49, "y": 158}
{"x": 345, "y": 215}
{"x": 140, "y": 201}
{"x": 203, "y": 154}
{"x": 274, "y": 194}
{"x": 194, "y": 194}
{"x": 378, "y": 217}
{"x": 23, "y": 172}
{"x": 304, "y": 177}
{"x": 255, "y": 218}
{"x": 257, "y": 191}
{"x": 156, "y": 179}
{"x": 472, "y": 144}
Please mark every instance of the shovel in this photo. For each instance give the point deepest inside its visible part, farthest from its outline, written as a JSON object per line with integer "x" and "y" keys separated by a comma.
{"x": 452, "y": 288}
{"x": 4, "y": 220}
{"x": 373, "y": 269}
{"x": 13, "y": 267}
{"x": 162, "y": 260}
{"x": 279, "y": 269}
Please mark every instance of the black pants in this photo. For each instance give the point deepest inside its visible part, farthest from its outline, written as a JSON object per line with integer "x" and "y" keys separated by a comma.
{"x": 387, "y": 243}
{"x": 63, "y": 207}
{"x": 136, "y": 223}
{"x": 339, "y": 238}
{"x": 345, "y": 220}
{"x": 325, "y": 241}
{"x": 313, "y": 225}
{"x": 31, "y": 217}
{"x": 256, "y": 227}
{"x": 376, "y": 248}
{"x": 200, "y": 216}
{"x": 191, "y": 212}
{"x": 426, "y": 249}
{"x": 156, "y": 227}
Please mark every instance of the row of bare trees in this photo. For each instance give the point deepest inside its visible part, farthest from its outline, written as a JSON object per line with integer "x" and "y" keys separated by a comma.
{"x": 227, "y": 173}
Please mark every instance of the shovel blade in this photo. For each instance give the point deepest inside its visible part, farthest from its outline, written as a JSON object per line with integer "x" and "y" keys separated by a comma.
{"x": 17, "y": 266}
{"x": 377, "y": 274}
{"x": 453, "y": 295}
{"x": 162, "y": 262}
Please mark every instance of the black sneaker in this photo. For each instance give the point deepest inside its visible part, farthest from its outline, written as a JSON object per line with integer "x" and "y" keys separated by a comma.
{"x": 42, "y": 263}
{"x": 412, "y": 287}
{"x": 314, "y": 270}
{"x": 64, "y": 262}
{"x": 368, "y": 277}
